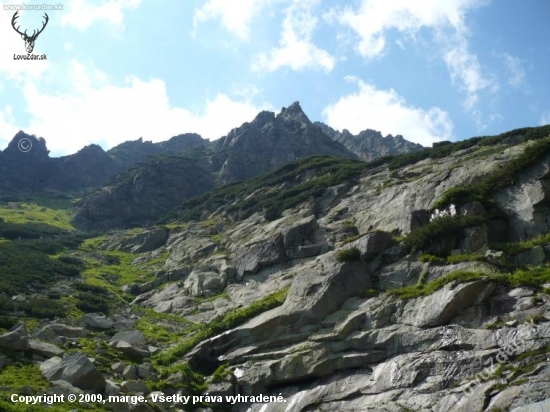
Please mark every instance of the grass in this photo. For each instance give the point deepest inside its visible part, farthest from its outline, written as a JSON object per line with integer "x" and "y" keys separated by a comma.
{"x": 120, "y": 272}
{"x": 534, "y": 277}
{"x": 221, "y": 324}
{"x": 513, "y": 248}
{"x": 436, "y": 260}
{"x": 348, "y": 254}
{"x": 56, "y": 215}
{"x": 425, "y": 289}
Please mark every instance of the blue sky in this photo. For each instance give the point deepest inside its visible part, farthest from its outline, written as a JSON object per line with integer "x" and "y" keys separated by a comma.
{"x": 427, "y": 69}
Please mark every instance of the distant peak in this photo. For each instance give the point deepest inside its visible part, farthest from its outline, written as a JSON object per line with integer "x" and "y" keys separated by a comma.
{"x": 28, "y": 145}
{"x": 293, "y": 112}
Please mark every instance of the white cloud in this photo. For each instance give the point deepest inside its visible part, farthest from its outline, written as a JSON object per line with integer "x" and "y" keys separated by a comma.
{"x": 545, "y": 118}
{"x": 372, "y": 21}
{"x": 83, "y": 13}
{"x": 375, "y": 17}
{"x": 297, "y": 49}
{"x": 465, "y": 69}
{"x": 8, "y": 129}
{"x": 95, "y": 111}
{"x": 515, "y": 70}
{"x": 235, "y": 16}
{"x": 387, "y": 111}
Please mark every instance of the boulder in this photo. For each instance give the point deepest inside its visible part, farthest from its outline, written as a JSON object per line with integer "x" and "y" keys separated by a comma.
{"x": 96, "y": 321}
{"x": 438, "y": 308}
{"x": 62, "y": 387}
{"x": 204, "y": 283}
{"x": 133, "y": 337}
{"x": 54, "y": 330}
{"x": 76, "y": 369}
{"x": 121, "y": 323}
{"x": 146, "y": 241}
{"x": 46, "y": 350}
{"x": 16, "y": 339}
{"x": 252, "y": 257}
{"x": 130, "y": 372}
{"x": 371, "y": 244}
{"x": 131, "y": 351}
{"x": 134, "y": 386}
{"x": 534, "y": 256}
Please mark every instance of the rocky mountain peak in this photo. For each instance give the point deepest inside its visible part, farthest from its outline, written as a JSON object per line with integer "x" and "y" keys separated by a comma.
{"x": 293, "y": 113}
{"x": 369, "y": 144}
{"x": 28, "y": 145}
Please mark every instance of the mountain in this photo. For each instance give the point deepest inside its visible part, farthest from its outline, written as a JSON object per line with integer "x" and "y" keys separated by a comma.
{"x": 272, "y": 140}
{"x": 419, "y": 282}
{"x": 130, "y": 153}
{"x": 370, "y": 144}
{"x": 248, "y": 151}
{"x": 414, "y": 282}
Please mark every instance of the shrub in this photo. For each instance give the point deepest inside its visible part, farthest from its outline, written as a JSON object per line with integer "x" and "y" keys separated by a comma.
{"x": 348, "y": 254}
{"x": 91, "y": 302}
{"x": 421, "y": 237}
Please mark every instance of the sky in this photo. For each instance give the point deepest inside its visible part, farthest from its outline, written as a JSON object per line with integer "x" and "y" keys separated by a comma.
{"x": 118, "y": 70}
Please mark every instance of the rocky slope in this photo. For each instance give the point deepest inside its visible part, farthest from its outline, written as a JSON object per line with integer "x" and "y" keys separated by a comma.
{"x": 414, "y": 283}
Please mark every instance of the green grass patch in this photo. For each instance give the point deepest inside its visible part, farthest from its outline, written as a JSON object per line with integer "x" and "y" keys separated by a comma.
{"x": 513, "y": 248}
{"x": 421, "y": 289}
{"x": 221, "y": 324}
{"x": 56, "y": 215}
{"x": 436, "y": 260}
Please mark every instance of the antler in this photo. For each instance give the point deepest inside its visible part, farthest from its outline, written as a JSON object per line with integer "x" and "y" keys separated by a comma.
{"x": 43, "y": 26}
{"x": 34, "y": 33}
{"x": 15, "y": 16}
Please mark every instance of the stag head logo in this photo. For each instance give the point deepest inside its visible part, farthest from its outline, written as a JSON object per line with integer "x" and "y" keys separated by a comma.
{"x": 29, "y": 40}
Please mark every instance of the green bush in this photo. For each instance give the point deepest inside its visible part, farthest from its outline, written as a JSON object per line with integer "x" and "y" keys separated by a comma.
{"x": 93, "y": 301}
{"x": 421, "y": 237}
{"x": 42, "y": 308}
{"x": 27, "y": 262}
{"x": 348, "y": 254}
